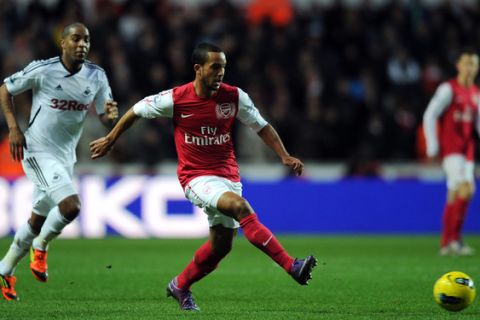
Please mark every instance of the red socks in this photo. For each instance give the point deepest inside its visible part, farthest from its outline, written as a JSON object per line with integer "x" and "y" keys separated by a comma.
{"x": 204, "y": 262}
{"x": 262, "y": 238}
{"x": 453, "y": 217}
{"x": 460, "y": 211}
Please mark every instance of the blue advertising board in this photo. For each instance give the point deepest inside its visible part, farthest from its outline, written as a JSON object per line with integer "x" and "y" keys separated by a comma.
{"x": 354, "y": 206}
{"x": 139, "y": 206}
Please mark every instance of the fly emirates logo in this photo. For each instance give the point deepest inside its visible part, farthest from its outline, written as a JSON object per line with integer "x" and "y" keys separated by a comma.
{"x": 465, "y": 116}
{"x": 208, "y": 137}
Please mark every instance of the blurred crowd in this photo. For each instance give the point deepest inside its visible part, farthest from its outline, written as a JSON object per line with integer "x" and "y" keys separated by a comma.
{"x": 340, "y": 83}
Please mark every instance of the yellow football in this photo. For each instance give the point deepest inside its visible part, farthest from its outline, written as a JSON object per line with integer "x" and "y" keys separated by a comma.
{"x": 454, "y": 291}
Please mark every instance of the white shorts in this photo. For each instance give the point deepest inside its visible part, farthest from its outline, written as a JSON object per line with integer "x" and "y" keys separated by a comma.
{"x": 205, "y": 191}
{"x": 53, "y": 181}
{"x": 458, "y": 170}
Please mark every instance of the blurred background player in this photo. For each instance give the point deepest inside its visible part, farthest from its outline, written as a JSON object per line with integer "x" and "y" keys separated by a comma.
{"x": 64, "y": 89}
{"x": 203, "y": 113}
{"x": 454, "y": 108}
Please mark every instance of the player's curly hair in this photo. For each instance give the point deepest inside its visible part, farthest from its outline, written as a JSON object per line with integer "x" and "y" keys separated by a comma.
{"x": 201, "y": 50}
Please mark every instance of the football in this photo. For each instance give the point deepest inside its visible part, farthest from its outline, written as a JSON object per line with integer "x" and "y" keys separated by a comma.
{"x": 454, "y": 291}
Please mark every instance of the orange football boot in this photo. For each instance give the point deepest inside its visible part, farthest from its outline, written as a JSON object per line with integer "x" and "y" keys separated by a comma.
{"x": 7, "y": 283}
{"x": 38, "y": 264}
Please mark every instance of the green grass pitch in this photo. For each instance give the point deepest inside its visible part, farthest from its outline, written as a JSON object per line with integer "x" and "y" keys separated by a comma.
{"x": 358, "y": 277}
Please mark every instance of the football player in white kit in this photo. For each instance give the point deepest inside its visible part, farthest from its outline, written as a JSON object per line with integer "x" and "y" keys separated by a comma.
{"x": 63, "y": 90}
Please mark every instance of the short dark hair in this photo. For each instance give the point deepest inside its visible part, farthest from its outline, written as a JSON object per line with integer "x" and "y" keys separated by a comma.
{"x": 200, "y": 53}
{"x": 66, "y": 30}
{"x": 470, "y": 51}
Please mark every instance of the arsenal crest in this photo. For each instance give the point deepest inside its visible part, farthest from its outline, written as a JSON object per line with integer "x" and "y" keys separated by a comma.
{"x": 225, "y": 110}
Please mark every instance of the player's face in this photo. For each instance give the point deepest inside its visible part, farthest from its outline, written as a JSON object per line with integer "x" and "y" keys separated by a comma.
{"x": 467, "y": 65}
{"x": 77, "y": 44}
{"x": 213, "y": 70}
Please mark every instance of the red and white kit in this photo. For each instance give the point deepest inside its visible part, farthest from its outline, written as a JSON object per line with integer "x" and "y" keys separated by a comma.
{"x": 454, "y": 108}
{"x": 207, "y": 166}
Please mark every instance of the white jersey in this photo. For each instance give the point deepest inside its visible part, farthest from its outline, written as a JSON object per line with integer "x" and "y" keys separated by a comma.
{"x": 60, "y": 102}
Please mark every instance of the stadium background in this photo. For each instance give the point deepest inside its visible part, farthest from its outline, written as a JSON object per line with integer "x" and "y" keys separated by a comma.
{"x": 344, "y": 82}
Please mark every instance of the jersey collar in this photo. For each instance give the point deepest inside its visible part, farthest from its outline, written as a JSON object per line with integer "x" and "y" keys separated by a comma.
{"x": 66, "y": 69}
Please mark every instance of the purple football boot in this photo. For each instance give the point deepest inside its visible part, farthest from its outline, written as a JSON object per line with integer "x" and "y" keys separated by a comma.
{"x": 302, "y": 269}
{"x": 184, "y": 297}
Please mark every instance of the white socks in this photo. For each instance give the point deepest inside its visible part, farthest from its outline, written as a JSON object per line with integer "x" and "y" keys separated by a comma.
{"x": 24, "y": 238}
{"x": 52, "y": 227}
{"x": 18, "y": 249}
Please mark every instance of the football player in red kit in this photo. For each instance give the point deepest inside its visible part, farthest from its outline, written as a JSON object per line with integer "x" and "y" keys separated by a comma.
{"x": 454, "y": 109}
{"x": 203, "y": 112}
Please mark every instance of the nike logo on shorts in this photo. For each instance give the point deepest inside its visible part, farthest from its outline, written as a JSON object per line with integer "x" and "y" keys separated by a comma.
{"x": 183, "y": 116}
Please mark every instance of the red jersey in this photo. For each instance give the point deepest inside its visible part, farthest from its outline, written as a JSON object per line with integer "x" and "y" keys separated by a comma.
{"x": 202, "y": 128}
{"x": 203, "y": 133}
{"x": 455, "y": 108}
{"x": 457, "y": 123}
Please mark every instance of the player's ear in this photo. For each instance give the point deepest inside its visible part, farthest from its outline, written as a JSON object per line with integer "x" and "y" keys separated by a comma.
{"x": 62, "y": 43}
{"x": 197, "y": 67}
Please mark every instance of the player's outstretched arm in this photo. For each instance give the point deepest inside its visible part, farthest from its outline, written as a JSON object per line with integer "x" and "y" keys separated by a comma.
{"x": 100, "y": 147}
{"x": 16, "y": 138}
{"x": 271, "y": 138}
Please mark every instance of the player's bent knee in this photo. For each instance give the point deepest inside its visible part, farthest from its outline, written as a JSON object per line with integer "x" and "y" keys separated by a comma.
{"x": 36, "y": 223}
{"x": 72, "y": 212}
{"x": 465, "y": 191}
{"x": 240, "y": 208}
{"x": 70, "y": 208}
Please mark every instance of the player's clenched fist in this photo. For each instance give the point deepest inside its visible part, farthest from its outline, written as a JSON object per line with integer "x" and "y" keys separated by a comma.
{"x": 100, "y": 147}
{"x": 111, "y": 110}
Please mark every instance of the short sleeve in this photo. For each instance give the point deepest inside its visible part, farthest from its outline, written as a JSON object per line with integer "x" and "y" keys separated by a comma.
{"x": 103, "y": 95}
{"x": 248, "y": 114}
{"x": 158, "y": 105}
{"x": 26, "y": 79}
